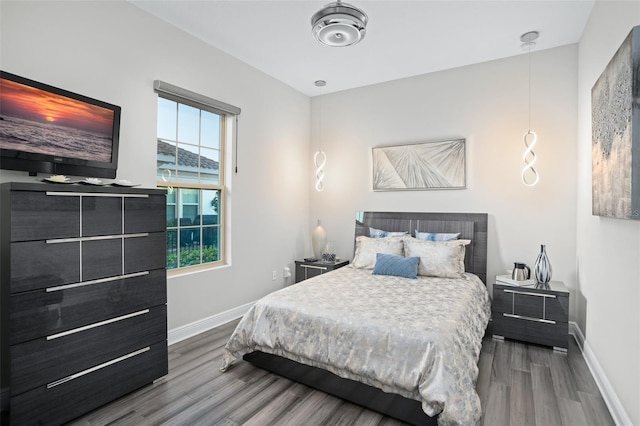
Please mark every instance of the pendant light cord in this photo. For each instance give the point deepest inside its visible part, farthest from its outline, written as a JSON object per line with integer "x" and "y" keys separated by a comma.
{"x": 529, "y": 57}
{"x": 320, "y": 124}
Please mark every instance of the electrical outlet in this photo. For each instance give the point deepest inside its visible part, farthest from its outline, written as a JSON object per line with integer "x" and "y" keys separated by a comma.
{"x": 286, "y": 272}
{"x": 274, "y": 275}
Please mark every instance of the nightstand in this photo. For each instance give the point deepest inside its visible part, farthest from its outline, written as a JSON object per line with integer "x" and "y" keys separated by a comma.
{"x": 306, "y": 270}
{"x": 537, "y": 314}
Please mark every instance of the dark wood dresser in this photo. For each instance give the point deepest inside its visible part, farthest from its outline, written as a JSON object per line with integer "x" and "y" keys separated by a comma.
{"x": 83, "y": 297}
{"x": 306, "y": 270}
{"x": 537, "y": 314}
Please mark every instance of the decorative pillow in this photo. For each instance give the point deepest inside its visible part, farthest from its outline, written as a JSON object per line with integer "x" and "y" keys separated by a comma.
{"x": 438, "y": 258}
{"x": 397, "y": 266}
{"x": 437, "y": 236}
{"x": 379, "y": 233}
{"x": 366, "y": 249}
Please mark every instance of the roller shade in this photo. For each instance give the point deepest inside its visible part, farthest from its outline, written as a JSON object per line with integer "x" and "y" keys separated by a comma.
{"x": 186, "y": 96}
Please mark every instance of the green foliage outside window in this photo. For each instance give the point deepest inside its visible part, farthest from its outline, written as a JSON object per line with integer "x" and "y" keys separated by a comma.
{"x": 191, "y": 257}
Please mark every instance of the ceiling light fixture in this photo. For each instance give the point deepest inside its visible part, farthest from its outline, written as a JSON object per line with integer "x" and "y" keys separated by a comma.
{"x": 529, "y": 174}
{"x": 339, "y": 24}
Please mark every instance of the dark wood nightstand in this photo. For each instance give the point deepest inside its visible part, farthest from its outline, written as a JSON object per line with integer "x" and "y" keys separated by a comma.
{"x": 306, "y": 270}
{"x": 537, "y": 314}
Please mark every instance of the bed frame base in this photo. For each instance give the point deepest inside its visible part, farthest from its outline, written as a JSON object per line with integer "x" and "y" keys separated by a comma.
{"x": 393, "y": 405}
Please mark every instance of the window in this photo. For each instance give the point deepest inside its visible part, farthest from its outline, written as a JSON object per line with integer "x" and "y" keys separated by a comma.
{"x": 190, "y": 162}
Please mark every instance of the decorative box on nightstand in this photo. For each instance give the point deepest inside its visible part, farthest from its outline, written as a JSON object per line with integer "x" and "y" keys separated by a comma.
{"x": 537, "y": 314}
{"x": 305, "y": 270}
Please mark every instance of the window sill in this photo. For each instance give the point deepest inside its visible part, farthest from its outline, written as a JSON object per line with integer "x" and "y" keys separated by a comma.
{"x": 195, "y": 269}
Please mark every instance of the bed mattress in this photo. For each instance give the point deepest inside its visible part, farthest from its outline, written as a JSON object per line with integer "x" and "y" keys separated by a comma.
{"x": 419, "y": 338}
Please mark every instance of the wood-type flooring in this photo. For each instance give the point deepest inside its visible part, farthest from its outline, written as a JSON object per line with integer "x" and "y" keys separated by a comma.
{"x": 518, "y": 384}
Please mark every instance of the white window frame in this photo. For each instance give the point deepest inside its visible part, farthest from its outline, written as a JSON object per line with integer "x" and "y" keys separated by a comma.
{"x": 226, "y": 111}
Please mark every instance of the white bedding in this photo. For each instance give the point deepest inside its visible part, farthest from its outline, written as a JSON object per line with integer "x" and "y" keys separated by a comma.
{"x": 419, "y": 338}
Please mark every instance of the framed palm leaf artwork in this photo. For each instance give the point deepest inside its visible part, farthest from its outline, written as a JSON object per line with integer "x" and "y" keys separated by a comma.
{"x": 420, "y": 166}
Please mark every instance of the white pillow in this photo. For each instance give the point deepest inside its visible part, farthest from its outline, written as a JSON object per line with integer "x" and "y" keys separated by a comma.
{"x": 437, "y": 258}
{"x": 366, "y": 249}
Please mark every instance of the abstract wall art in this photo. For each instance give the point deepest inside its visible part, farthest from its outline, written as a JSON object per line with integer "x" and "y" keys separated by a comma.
{"x": 615, "y": 149}
{"x": 420, "y": 166}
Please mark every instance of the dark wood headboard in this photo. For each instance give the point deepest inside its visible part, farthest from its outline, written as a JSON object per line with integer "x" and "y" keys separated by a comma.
{"x": 472, "y": 226}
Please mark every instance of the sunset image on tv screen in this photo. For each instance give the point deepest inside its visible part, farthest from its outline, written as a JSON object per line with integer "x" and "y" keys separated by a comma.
{"x": 37, "y": 121}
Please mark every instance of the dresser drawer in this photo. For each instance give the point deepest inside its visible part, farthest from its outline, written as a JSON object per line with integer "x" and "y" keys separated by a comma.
{"x": 41, "y": 264}
{"x": 47, "y": 360}
{"x": 145, "y": 214}
{"x": 531, "y": 304}
{"x": 101, "y": 216}
{"x": 36, "y": 264}
{"x": 40, "y": 313}
{"x": 549, "y": 334}
{"x": 68, "y": 400}
{"x": 102, "y": 258}
{"x": 38, "y": 216}
{"x": 145, "y": 254}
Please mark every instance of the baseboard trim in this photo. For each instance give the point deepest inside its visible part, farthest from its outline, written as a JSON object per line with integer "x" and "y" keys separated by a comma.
{"x": 184, "y": 332}
{"x": 575, "y": 331}
{"x": 619, "y": 414}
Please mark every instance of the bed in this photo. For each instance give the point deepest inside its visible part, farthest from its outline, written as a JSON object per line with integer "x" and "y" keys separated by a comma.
{"x": 405, "y": 347}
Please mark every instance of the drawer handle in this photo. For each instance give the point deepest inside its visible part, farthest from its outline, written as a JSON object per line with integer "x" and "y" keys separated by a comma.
{"x": 92, "y": 282}
{"x": 91, "y": 194}
{"x": 97, "y": 367}
{"x": 97, "y": 324}
{"x": 526, "y": 293}
{"x": 322, "y": 268}
{"x": 97, "y": 238}
{"x": 545, "y": 321}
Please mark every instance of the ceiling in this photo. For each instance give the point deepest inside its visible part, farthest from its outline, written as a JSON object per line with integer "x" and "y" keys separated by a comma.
{"x": 404, "y": 38}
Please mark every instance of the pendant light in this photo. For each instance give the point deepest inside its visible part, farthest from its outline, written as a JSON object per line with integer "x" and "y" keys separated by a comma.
{"x": 320, "y": 157}
{"x": 339, "y": 24}
{"x": 529, "y": 174}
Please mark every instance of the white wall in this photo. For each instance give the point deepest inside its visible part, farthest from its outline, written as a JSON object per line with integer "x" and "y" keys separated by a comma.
{"x": 608, "y": 250}
{"x": 113, "y": 51}
{"x": 486, "y": 104}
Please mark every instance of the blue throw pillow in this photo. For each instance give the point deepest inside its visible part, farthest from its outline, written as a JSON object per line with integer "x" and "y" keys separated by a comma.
{"x": 379, "y": 233}
{"x": 437, "y": 236}
{"x": 397, "y": 266}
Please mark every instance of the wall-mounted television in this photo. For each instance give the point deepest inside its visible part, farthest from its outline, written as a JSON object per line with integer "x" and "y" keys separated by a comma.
{"x": 44, "y": 129}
